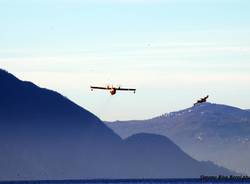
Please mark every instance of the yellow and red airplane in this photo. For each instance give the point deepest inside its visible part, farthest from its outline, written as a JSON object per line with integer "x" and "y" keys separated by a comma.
{"x": 112, "y": 89}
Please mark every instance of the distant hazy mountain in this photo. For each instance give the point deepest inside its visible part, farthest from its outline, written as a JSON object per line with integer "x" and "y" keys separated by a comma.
{"x": 207, "y": 131}
{"x": 43, "y": 135}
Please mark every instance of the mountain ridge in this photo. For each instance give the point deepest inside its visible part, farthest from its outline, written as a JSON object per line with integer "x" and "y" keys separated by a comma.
{"x": 172, "y": 112}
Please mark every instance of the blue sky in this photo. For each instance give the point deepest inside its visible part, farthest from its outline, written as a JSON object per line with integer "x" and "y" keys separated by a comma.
{"x": 172, "y": 51}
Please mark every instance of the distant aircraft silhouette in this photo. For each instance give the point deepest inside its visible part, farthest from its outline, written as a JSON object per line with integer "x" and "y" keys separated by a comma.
{"x": 112, "y": 89}
{"x": 202, "y": 100}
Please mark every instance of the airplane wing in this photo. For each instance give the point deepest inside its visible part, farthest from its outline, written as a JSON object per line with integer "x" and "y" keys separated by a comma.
{"x": 96, "y": 87}
{"x": 126, "y": 89}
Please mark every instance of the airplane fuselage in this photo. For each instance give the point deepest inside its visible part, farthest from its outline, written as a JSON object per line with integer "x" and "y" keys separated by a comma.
{"x": 112, "y": 91}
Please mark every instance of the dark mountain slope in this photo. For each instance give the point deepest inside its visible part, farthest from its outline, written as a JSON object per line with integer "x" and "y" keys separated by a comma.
{"x": 164, "y": 157}
{"x": 207, "y": 131}
{"x": 43, "y": 135}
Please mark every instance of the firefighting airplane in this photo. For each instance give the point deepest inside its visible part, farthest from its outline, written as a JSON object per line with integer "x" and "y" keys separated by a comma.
{"x": 112, "y": 89}
{"x": 202, "y": 100}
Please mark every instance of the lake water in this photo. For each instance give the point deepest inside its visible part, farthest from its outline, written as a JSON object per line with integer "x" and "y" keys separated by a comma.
{"x": 142, "y": 181}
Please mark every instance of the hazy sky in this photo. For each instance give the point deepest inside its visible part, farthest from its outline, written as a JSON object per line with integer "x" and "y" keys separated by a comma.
{"x": 172, "y": 51}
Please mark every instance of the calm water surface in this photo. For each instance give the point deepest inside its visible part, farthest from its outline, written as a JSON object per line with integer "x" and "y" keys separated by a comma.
{"x": 153, "y": 181}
